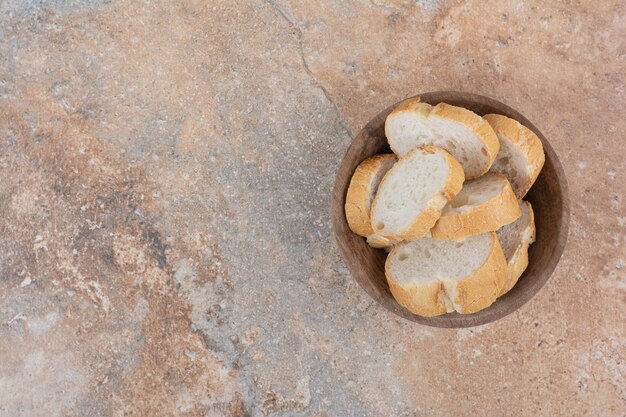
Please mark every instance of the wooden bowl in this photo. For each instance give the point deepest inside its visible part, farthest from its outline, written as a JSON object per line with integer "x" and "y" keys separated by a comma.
{"x": 548, "y": 197}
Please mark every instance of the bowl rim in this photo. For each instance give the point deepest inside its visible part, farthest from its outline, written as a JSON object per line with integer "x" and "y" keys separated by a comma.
{"x": 455, "y": 320}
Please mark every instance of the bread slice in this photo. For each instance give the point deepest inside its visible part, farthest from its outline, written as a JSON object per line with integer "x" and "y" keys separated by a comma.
{"x": 413, "y": 192}
{"x": 515, "y": 238}
{"x": 464, "y": 134}
{"x": 521, "y": 156}
{"x": 431, "y": 277}
{"x": 361, "y": 191}
{"x": 483, "y": 205}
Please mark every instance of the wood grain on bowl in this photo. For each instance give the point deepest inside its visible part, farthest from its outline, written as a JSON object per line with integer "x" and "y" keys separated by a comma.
{"x": 548, "y": 197}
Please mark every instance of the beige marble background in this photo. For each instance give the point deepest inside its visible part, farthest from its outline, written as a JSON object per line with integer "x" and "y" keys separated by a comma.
{"x": 165, "y": 242}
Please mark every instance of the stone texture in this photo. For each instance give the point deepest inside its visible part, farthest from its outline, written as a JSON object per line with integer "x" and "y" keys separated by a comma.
{"x": 165, "y": 242}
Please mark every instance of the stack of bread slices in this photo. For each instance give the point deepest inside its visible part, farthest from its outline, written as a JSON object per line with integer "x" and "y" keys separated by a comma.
{"x": 447, "y": 205}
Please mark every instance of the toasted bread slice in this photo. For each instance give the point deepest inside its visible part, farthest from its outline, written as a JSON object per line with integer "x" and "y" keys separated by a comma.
{"x": 515, "y": 238}
{"x": 431, "y": 277}
{"x": 413, "y": 192}
{"x": 483, "y": 205}
{"x": 521, "y": 156}
{"x": 464, "y": 134}
{"x": 361, "y": 191}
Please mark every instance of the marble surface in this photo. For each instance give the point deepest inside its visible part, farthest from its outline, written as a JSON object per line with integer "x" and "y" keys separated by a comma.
{"x": 165, "y": 241}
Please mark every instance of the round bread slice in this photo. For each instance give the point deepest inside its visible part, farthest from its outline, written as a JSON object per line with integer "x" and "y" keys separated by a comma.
{"x": 413, "y": 192}
{"x": 361, "y": 191}
{"x": 461, "y": 132}
{"x": 483, "y": 205}
{"x": 430, "y": 277}
{"x": 521, "y": 156}
{"x": 515, "y": 238}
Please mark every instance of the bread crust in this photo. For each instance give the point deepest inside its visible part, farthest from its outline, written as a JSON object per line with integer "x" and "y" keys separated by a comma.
{"x": 471, "y": 120}
{"x": 424, "y": 221}
{"x": 471, "y": 294}
{"x": 360, "y": 193}
{"x": 475, "y": 123}
{"x": 377, "y": 241}
{"x": 488, "y": 216}
{"x": 411, "y": 105}
{"x": 526, "y": 141}
{"x": 519, "y": 261}
{"x": 422, "y": 300}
